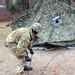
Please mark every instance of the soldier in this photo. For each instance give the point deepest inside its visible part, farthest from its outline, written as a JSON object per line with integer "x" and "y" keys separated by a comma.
{"x": 20, "y": 42}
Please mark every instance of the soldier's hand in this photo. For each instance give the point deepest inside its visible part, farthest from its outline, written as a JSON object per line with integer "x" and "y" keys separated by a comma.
{"x": 27, "y": 58}
{"x": 31, "y": 51}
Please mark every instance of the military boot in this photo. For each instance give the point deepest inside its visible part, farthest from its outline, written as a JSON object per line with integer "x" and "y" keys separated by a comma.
{"x": 26, "y": 68}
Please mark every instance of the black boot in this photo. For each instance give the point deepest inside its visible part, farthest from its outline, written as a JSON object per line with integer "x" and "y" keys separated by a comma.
{"x": 26, "y": 68}
{"x": 27, "y": 58}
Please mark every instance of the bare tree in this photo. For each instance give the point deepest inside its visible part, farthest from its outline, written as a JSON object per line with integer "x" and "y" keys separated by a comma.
{"x": 7, "y": 3}
{"x": 68, "y": 2}
{"x": 25, "y": 4}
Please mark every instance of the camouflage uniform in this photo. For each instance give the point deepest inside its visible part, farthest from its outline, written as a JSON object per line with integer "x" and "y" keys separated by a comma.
{"x": 20, "y": 42}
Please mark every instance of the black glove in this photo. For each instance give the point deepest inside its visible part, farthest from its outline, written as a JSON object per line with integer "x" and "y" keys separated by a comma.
{"x": 31, "y": 51}
{"x": 27, "y": 58}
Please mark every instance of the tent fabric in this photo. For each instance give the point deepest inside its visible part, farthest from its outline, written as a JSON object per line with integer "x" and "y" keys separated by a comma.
{"x": 60, "y": 32}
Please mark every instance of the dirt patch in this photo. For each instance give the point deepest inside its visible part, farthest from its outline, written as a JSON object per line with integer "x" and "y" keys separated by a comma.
{"x": 4, "y": 31}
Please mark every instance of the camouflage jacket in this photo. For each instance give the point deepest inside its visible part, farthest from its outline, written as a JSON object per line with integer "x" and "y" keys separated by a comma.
{"x": 22, "y": 37}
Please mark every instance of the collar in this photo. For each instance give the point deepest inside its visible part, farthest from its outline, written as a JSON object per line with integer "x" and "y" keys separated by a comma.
{"x": 31, "y": 34}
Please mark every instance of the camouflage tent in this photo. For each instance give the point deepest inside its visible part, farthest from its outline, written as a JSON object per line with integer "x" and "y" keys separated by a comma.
{"x": 57, "y": 19}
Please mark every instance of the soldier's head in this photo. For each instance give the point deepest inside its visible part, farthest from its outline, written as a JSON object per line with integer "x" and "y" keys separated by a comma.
{"x": 36, "y": 28}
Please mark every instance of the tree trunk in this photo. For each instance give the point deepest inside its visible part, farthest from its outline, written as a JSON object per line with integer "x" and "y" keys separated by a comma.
{"x": 68, "y": 2}
{"x": 7, "y": 4}
{"x": 25, "y": 4}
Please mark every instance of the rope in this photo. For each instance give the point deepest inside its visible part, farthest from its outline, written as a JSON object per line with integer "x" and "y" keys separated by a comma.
{"x": 50, "y": 61}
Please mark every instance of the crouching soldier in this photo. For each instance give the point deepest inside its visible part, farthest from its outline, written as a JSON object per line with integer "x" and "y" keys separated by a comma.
{"x": 20, "y": 42}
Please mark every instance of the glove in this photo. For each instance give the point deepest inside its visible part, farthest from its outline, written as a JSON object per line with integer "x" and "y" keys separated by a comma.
{"x": 31, "y": 51}
{"x": 27, "y": 58}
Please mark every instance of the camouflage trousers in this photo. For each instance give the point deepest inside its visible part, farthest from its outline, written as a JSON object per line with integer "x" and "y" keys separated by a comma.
{"x": 20, "y": 65}
{"x": 20, "y": 54}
